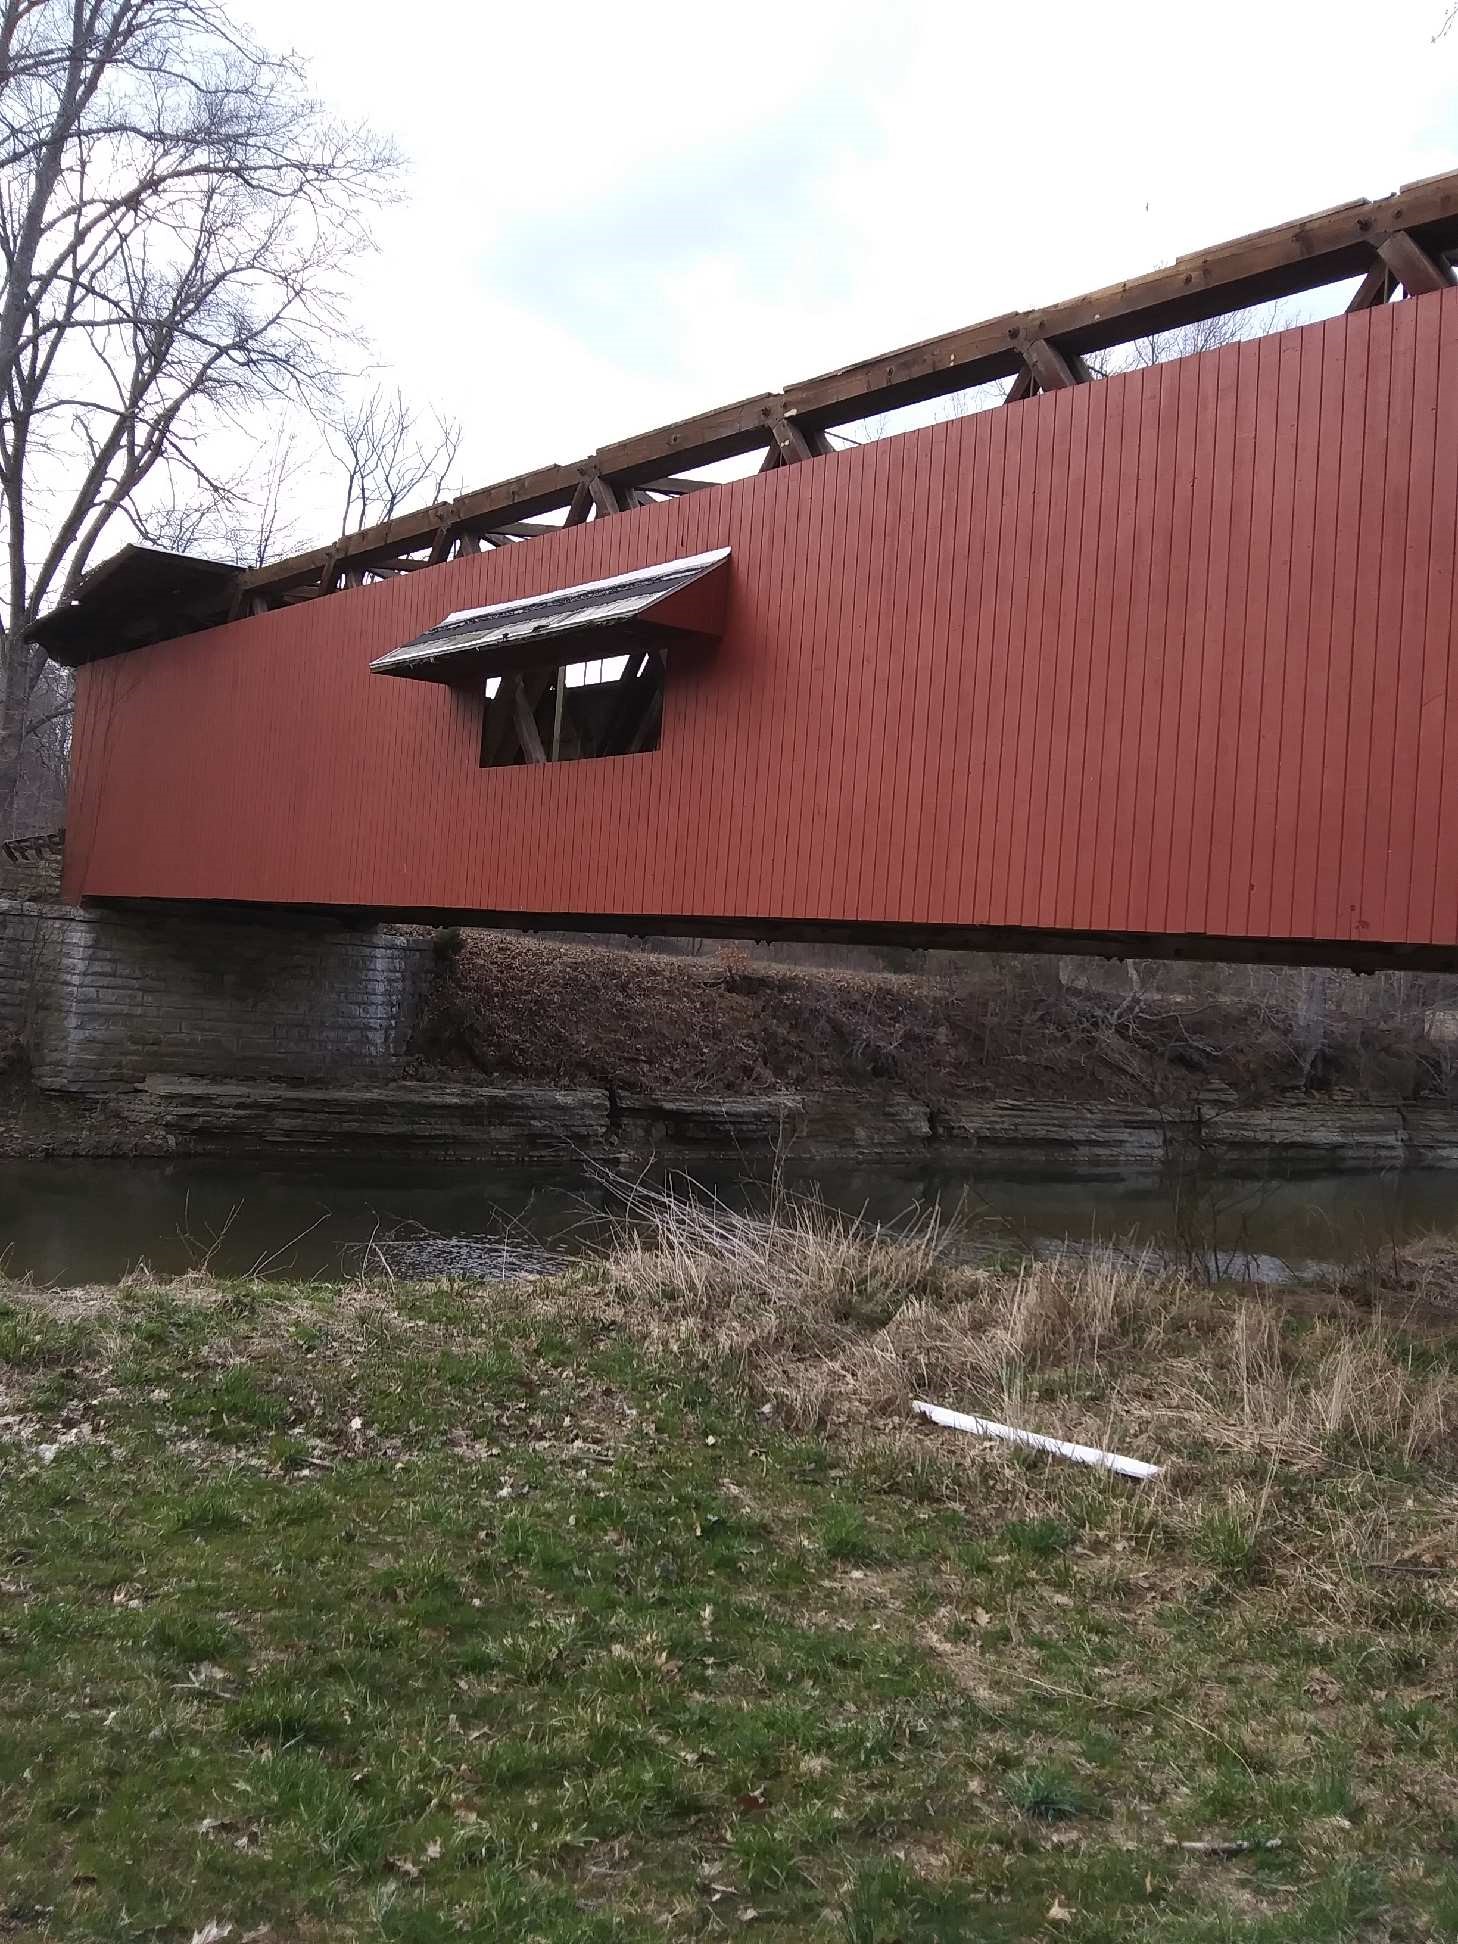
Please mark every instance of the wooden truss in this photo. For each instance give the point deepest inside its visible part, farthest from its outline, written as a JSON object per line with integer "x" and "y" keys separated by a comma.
{"x": 1399, "y": 244}
{"x": 537, "y": 717}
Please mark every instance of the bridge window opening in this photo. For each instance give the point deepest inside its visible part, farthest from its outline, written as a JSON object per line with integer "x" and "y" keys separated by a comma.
{"x": 612, "y": 706}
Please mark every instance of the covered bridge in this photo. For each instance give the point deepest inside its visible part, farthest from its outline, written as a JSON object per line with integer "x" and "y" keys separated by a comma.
{"x": 1161, "y": 662}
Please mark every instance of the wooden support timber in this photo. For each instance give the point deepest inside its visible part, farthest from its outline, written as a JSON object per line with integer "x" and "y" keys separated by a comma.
{"x": 1050, "y": 369}
{"x": 1403, "y": 239}
{"x": 1415, "y": 268}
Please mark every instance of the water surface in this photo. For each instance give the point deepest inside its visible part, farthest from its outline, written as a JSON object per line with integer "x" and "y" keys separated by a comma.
{"x": 68, "y": 1222}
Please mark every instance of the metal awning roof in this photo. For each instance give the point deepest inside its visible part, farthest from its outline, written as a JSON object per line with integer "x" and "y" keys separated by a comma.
{"x": 569, "y": 624}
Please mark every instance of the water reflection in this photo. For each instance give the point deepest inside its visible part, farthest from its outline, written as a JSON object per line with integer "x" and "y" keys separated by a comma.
{"x": 66, "y": 1222}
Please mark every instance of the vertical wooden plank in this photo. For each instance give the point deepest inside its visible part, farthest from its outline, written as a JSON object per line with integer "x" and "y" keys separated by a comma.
{"x": 1350, "y": 375}
{"x": 890, "y": 490}
{"x": 1115, "y": 751}
{"x": 964, "y": 460}
{"x": 845, "y": 725}
{"x": 1407, "y": 546}
{"x": 1054, "y": 757}
{"x": 1318, "y": 486}
{"x": 909, "y": 823}
{"x": 1035, "y": 651}
{"x": 1368, "y": 762}
{"x": 992, "y": 510}
{"x": 1145, "y": 683}
{"x": 901, "y": 694}
{"x": 1230, "y": 774}
{"x": 1007, "y": 485}
{"x": 803, "y": 861}
{"x": 1254, "y": 561}
{"x": 1070, "y": 791}
{"x": 1163, "y": 828}
{"x": 935, "y": 784}
{"x": 823, "y": 877}
{"x": 1028, "y": 542}
{"x": 1280, "y": 368}
{"x": 1380, "y": 607}
{"x": 1433, "y": 902}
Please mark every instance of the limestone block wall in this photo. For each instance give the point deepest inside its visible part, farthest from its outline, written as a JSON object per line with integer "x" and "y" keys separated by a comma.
{"x": 103, "y": 998}
{"x": 20, "y": 949}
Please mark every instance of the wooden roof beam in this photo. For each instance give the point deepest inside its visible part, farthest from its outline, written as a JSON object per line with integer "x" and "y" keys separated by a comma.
{"x": 1270, "y": 264}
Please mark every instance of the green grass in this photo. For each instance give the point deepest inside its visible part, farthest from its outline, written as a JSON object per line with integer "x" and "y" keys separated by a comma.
{"x": 440, "y": 1614}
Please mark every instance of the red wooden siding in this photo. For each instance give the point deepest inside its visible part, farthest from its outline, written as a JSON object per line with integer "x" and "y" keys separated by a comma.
{"x": 1170, "y": 653}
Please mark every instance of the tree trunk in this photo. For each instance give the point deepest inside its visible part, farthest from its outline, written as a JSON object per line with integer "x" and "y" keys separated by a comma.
{"x": 20, "y": 667}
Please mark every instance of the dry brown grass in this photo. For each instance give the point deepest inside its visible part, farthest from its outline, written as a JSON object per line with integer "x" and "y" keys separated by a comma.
{"x": 837, "y": 1323}
{"x": 1415, "y": 1277}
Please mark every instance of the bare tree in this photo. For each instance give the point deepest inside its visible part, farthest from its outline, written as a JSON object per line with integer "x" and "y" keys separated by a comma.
{"x": 239, "y": 517}
{"x": 1206, "y": 334}
{"x": 176, "y": 213}
{"x": 389, "y": 454}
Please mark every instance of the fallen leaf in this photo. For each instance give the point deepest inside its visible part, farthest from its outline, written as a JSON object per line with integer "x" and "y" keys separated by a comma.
{"x": 752, "y": 1801}
{"x": 433, "y": 1850}
{"x": 401, "y": 1865}
{"x": 981, "y": 1617}
{"x": 1059, "y": 1913}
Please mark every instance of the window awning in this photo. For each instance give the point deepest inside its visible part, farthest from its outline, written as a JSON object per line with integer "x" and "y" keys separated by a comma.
{"x": 650, "y": 607}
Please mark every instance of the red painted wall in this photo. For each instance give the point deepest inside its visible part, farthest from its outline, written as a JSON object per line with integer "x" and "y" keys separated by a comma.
{"x": 1172, "y": 652}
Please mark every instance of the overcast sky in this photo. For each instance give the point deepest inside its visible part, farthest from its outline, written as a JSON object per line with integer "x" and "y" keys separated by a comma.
{"x": 621, "y": 215}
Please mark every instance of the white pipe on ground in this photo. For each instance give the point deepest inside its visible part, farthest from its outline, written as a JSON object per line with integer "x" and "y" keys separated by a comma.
{"x": 1035, "y": 1441}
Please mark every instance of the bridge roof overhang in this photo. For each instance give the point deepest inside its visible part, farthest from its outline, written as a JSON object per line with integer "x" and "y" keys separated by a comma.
{"x": 118, "y": 604}
{"x": 677, "y": 600}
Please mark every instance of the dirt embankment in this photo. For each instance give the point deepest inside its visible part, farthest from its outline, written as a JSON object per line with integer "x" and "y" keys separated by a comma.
{"x": 511, "y": 1009}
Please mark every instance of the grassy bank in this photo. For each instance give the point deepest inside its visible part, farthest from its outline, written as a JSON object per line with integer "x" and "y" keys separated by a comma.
{"x": 636, "y": 1604}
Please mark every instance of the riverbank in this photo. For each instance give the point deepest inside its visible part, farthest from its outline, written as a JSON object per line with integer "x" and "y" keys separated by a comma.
{"x": 518, "y": 1011}
{"x": 420, "y": 1120}
{"x": 514, "y": 1050}
{"x": 639, "y": 1602}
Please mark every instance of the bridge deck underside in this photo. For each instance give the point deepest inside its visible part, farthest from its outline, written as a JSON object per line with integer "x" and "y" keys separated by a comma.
{"x": 1367, "y": 956}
